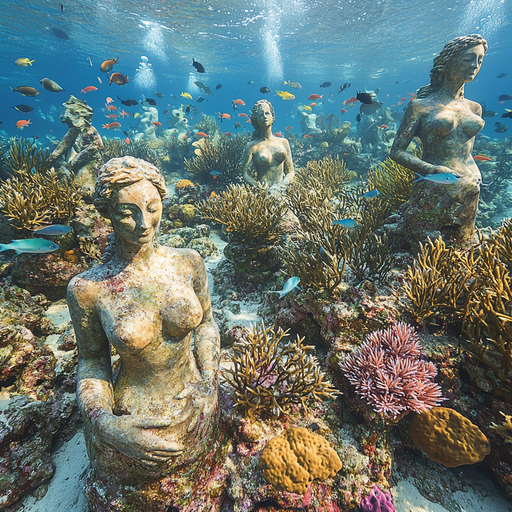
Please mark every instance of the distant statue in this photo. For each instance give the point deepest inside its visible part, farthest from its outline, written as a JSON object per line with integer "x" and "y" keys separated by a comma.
{"x": 446, "y": 124}
{"x": 270, "y": 155}
{"x": 149, "y": 302}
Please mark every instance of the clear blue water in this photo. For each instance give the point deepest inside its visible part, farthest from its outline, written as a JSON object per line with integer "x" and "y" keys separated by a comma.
{"x": 368, "y": 43}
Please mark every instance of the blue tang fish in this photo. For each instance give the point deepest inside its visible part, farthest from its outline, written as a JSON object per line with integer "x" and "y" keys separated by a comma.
{"x": 289, "y": 286}
{"x": 346, "y": 223}
{"x": 371, "y": 193}
{"x": 54, "y": 229}
{"x": 36, "y": 245}
{"x": 444, "y": 178}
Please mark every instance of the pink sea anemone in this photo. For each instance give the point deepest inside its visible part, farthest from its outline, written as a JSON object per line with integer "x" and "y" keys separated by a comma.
{"x": 388, "y": 372}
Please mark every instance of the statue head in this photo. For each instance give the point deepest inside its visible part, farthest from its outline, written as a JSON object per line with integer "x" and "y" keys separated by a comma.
{"x": 450, "y": 55}
{"x": 77, "y": 113}
{"x": 116, "y": 180}
{"x": 257, "y": 115}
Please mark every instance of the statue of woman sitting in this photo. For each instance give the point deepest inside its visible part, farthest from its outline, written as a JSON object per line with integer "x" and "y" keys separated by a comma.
{"x": 148, "y": 302}
{"x": 270, "y": 155}
{"x": 446, "y": 124}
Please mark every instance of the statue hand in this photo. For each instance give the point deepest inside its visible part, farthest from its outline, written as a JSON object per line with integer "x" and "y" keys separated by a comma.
{"x": 439, "y": 169}
{"x": 135, "y": 436}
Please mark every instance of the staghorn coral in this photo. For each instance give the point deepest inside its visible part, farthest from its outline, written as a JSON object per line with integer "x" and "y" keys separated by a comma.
{"x": 505, "y": 429}
{"x": 269, "y": 378}
{"x": 251, "y": 215}
{"x": 24, "y": 155}
{"x": 393, "y": 181}
{"x": 31, "y": 199}
{"x": 115, "y": 148}
{"x": 387, "y": 372}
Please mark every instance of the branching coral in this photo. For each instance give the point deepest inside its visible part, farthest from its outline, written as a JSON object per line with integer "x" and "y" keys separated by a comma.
{"x": 269, "y": 377}
{"x": 387, "y": 372}
{"x": 252, "y": 215}
{"x": 24, "y": 155}
{"x": 114, "y": 148}
{"x": 505, "y": 429}
{"x": 31, "y": 200}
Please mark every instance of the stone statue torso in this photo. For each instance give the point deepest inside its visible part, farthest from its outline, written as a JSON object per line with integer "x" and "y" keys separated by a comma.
{"x": 268, "y": 157}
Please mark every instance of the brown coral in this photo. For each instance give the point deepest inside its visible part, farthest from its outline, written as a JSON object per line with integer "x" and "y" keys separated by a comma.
{"x": 292, "y": 460}
{"x": 448, "y": 437}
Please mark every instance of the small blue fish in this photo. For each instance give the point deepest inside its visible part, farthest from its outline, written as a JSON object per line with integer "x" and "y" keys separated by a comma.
{"x": 346, "y": 223}
{"x": 215, "y": 173}
{"x": 54, "y": 229}
{"x": 371, "y": 193}
{"x": 289, "y": 286}
{"x": 36, "y": 245}
{"x": 444, "y": 178}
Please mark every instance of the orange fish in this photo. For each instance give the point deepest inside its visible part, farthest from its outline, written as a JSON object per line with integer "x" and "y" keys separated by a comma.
{"x": 156, "y": 123}
{"x": 248, "y": 121}
{"x": 242, "y": 115}
{"x": 278, "y": 134}
{"x": 112, "y": 116}
{"x": 227, "y": 134}
{"x": 22, "y": 123}
{"x": 213, "y": 194}
{"x": 482, "y": 158}
{"x": 108, "y": 65}
{"x": 89, "y": 88}
{"x": 127, "y": 140}
{"x": 403, "y": 99}
{"x": 383, "y": 126}
{"x": 237, "y": 125}
{"x": 118, "y": 78}
{"x": 400, "y": 103}
{"x": 111, "y": 126}
{"x": 288, "y": 128}
{"x": 312, "y": 104}
{"x": 343, "y": 111}
{"x": 238, "y": 102}
{"x": 109, "y": 100}
{"x": 350, "y": 100}
{"x": 224, "y": 116}
{"x": 201, "y": 134}
{"x": 307, "y": 136}
{"x": 111, "y": 107}
{"x": 315, "y": 97}
{"x": 123, "y": 113}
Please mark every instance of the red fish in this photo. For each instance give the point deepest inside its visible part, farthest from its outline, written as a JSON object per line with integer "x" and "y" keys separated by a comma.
{"x": 238, "y": 102}
{"x": 308, "y": 136}
{"x": 111, "y": 107}
{"x": 111, "y": 126}
{"x": 109, "y": 100}
{"x": 227, "y": 134}
{"x": 343, "y": 111}
{"x": 403, "y": 99}
{"x": 123, "y": 113}
{"x": 112, "y": 116}
{"x": 89, "y": 88}
{"x": 350, "y": 100}
{"x": 312, "y": 104}
{"x": 22, "y": 123}
{"x": 482, "y": 158}
{"x": 242, "y": 115}
{"x": 127, "y": 140}
{"x": 278, "y": 134}
{"x": 315, "y": 97}
{"x": 156, "y": 123}
{"x": 384, "y": 126}
{"x": 288, "y": 128}
{"x": 201, "y": 134}
{"x": 224, "y": 116}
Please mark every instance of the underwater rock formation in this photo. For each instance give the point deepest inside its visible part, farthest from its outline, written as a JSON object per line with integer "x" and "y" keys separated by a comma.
{"x": 149, "y": 117}
{"x": 446, "y": 123}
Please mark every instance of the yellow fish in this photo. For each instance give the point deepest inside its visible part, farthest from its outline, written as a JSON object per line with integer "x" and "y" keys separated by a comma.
{"x": 308, "y": 108}
{"x": 136, "y": 115}
{"x": 23, "y": 62}
{"x": 285, "y": 95}
{"x": 186, "y": 95}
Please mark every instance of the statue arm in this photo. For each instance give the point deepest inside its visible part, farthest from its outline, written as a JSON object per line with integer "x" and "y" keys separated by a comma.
{"x": 289, "y": 172}
{"x": 246, "y": 160}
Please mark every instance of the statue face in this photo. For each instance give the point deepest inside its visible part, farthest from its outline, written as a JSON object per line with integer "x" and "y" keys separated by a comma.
{"x": 135, "y": 212}
{"x": 465, "y": 66}
{"x": 264, "y": 116}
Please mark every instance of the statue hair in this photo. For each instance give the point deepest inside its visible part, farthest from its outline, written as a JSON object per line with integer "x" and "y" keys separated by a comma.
{"x": 450, "y": 51}
{"x": 113, "y": 176}
{"x": 260, "y": 103}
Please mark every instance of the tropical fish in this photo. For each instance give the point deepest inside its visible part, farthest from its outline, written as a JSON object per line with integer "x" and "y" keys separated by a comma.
{"x": 224, "y": 116}
{"x": 343, "y": 111}
{"x": 285, "y": 95}
{"x": 506, "y": 114}
{"x": 127, "y": 140}
{"x": 186, "y": 95}
{"x": 343, "y": 87}
{"x": 200, "y": 84}
{"x": 109, "y": 100}
{"x": 264, "y": 90}
{"x": 136, "y": 115}
{"x": 89, "y": 88}
{"x": 445, "y": 178}
{"x": 350, "y": 100}
{"x": 364, "y": 97}
{"x": 150, "y": 101}
{"x": 57, "y": 32}
{"x": 500, "y": 127}
{"x": 218, "y": 86}
{"x": 207, "y": 91}
{"x": 482, "y": 158}
{"x": 112, "y": 116}
{"x": 54, "y": 229}
{"x": 111, "y": 126}
{"x": 51, "y": 86}
{"x": 308, "y": 108}
{"x": 90, "y": 61}
{"x": 237, "y": 125}
{"x": 111, "y": 107}
{"x": 23, "y": 108}
{"x": 505, "y": 97}
{"x": 215, "y": 173}
{"x": 346, "y": 223}
{"x": 23, "y": 62}
{"x": 22, "y": 124}
{"x": 156, "y": 123}
{"x": 502, "y": 75}
{"x": 201, "y": 134}
{"x": 290, "y": 285}
{"x": 242, "y": 114}
{"x": 200, "y": 99}
{"x": 307, "y": 136}
{"x": 315, "y": 97}
{"x": 326, "y": 84}
{"x": 99, "y": 80}
{"x": 227, "y": 134}
{"x": 371, "y": 193}
{"x": 250, "y": 82}
{"x": 238, "y": 102}
{"x": 199, "y": 67}
{"x": 288, "y": 128}
{"x": 159, "y": 95}
{"x": 34, "y": 245}
{"x": 107, "y": 65}
{"x": 25, "y": 90}
{"x": 313, "y": 104}
{"x": 369, "y": 108}
{"x": 292, "y": 84}
{"x": 117, "y": 78}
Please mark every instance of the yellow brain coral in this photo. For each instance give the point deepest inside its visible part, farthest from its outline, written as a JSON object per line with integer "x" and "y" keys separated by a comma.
{"x": 448, "y": 437}
{"x": 188, "y": 212}
{"x": 183, "y": 184}
{"x": 292, "y": 460}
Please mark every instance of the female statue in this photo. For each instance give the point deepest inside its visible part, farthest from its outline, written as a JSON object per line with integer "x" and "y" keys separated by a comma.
{"x": 146, "y": 301}
{"x": 446, "y": 124}
{"x": 270, "y": 155}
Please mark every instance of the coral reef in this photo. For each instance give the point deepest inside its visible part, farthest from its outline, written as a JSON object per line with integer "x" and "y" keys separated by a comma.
{"x": 505, "y": 429}
{"x": 24, "y": 155}
{"x": 268, "y": 378}
{"x": 388, "y": 373}
{"x": 448, "y": 437}
{"x": 115, "y": 148}
{"x": 377, "y": 501}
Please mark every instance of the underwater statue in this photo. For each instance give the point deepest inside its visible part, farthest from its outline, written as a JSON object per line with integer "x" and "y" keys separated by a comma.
{"x": 81, "y": 149}
{"x": 308, "y": 123}
{"x": 446, "y": 123}
{"x": 271, "y": 156}
{"x": 156, "y": 410}
{"x": 149, "y": 117}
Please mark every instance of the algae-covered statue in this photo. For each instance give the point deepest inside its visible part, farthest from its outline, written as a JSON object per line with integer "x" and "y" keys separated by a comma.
{"x": 271, "y": 156}
{"x": 158, "y": 410}
{"x": 446, "y": 123}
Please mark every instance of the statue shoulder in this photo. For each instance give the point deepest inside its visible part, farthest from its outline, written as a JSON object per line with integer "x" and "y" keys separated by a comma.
{"x": 83, "y": 288}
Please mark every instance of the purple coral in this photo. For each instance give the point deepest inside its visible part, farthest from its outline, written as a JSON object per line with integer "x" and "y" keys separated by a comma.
{"x": 377, "y": 501}
{"x": 387, "y": 371}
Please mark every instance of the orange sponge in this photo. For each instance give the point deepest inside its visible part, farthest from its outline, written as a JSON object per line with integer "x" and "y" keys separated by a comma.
{"x": 448, "y": 437}
{"x": 292, "y": 460}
